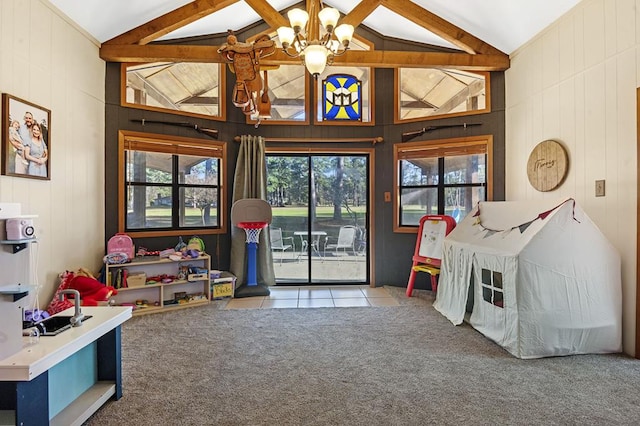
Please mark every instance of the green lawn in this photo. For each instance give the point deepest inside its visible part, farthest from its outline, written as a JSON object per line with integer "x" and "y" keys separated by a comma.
{"x": 321, "y": 211}
{"x": 294, "y": 218}
{"x": 166, "y": 211}
{"x": 288, "y": 218}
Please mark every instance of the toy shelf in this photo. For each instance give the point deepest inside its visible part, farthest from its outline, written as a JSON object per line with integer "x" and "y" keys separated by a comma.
{"x": 176, "y": 282}
{"x": 165, "y": 308}
{"x": 158, "y": 297}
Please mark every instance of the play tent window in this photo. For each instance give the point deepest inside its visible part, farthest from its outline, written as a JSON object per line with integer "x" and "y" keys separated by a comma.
{"x": 169, "y": 185}
{"x": 492, "y": 287}
{"x": 448, "y": 176}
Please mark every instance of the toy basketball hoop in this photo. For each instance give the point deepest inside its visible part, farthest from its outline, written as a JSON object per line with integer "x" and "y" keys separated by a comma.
{"x": 252, "y": 215}
{"x": 252, "y": 229}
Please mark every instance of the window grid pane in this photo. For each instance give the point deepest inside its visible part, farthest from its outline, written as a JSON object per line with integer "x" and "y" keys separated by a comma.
{"x": 198, "y": 207}
{"x": 464, "y": 169}
{"x": 188, "y": 87}
{"x": 149, "y": 206}
{"x": 463, "y": 186}
{"x": 154, "y": 185}
{"x": 430, "y": 93}
{"x": 417, "y": 202}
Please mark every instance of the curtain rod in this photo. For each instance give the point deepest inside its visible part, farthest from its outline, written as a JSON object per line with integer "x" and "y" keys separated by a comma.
{"x": 378, "y": 139}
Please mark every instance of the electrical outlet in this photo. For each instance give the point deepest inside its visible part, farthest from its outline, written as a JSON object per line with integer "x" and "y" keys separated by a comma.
{"x": 600, "y": 188}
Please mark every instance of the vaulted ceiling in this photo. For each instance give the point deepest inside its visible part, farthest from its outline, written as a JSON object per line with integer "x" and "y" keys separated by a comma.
{"x": 445, "y": 23}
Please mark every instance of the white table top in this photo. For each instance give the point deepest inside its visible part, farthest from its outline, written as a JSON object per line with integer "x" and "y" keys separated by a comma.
{"x": 39, "y": 357}
{"x": 314, "y": 233}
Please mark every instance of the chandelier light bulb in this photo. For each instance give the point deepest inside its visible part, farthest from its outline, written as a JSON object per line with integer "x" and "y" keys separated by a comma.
{"x": 329, "y": 18}
{"x": 315, "y": 59}
{"x": 344, "y": 34}
{"x": 298, "y": 19}
{"x": 286, "y": 36}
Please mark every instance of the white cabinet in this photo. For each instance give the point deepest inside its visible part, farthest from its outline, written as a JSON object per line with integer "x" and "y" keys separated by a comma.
{"x": 166, "y": 284}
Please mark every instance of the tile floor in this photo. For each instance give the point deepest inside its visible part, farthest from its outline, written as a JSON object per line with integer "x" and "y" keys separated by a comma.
{"x": 316, "y": 297}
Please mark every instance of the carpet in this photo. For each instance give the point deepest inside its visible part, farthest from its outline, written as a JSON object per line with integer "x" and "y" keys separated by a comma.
{"x": 403, "y": 365}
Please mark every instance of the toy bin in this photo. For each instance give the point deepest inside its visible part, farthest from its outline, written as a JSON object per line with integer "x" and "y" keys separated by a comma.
{"x": 223, "y": 286}
{"x": 136, "y": 280}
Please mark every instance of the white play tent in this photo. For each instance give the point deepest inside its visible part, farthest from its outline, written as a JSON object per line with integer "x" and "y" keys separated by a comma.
{"x": 542, "y": 278}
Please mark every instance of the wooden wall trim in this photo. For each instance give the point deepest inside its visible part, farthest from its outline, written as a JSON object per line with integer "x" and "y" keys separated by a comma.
{"x": 374, "y": 140}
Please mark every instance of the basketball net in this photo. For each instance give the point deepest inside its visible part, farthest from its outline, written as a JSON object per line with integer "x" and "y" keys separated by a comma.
{"x": 253, "y": 235}
{"x": 252, "y": 229}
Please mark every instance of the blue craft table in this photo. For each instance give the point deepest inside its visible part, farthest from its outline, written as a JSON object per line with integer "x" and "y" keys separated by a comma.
{"x": 64, "y": 379}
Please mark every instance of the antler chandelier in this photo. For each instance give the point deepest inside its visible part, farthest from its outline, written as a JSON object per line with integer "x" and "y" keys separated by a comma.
{"x": 316, "y": 51}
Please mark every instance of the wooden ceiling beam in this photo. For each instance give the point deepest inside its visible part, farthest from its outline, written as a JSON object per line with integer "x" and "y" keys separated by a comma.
{"x": 275, "y": 19}
{"x": 170, "y": 21}
{"x": 159, "y": 53}
{"x": 402, "y": 59}
{"x": 373, "y": 58}
{"x": 479, "y": 55}
{"x": 359, "y": 13}
{"x": 440, "y": 27}
{"x": 272, "y": 17}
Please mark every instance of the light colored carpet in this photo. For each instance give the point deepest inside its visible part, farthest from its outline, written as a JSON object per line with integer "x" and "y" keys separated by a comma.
{"x": 404, "y": 365}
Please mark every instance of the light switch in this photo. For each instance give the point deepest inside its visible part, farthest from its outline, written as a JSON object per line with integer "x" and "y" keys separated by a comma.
{"x": 387, "y": 197}
{"x": 600, "y": 188}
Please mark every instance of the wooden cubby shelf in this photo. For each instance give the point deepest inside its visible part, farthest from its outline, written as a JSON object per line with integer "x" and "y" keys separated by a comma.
{"x": 151, "y": 298}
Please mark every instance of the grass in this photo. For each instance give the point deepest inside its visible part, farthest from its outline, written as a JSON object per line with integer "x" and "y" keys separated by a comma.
{"x": 289, "y": 211}
{"x": 294, "y": 218}
{"x": 289, "y": 217}
{"x": 321, "y": 211}
{"x": 166, "y": 212}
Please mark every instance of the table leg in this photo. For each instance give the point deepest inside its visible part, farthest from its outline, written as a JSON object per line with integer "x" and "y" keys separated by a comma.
{"x": 29, "y": 399}
{"x": 110, "y": 359}
{"x": 303, "y": 247}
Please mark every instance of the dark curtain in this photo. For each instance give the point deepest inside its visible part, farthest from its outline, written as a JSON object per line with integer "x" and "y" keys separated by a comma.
{"x": 250, "y": 181}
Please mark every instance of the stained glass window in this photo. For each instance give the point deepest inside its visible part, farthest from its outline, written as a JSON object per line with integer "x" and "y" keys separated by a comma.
{"x": 342, "y": 98}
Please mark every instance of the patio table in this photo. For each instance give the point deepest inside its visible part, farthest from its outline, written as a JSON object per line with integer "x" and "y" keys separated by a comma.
{"x": 315, "y": 241}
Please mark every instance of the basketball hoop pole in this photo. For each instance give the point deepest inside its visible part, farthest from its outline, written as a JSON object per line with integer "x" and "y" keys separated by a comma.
{"x": 252, "y": 270}
{"x": 253, "y": 233}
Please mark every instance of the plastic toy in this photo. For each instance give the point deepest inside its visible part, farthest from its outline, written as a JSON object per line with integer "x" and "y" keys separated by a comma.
{"x": 252, "y": 215}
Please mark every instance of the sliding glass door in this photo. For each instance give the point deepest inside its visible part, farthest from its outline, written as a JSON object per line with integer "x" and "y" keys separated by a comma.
{"x": 320, "y": 217}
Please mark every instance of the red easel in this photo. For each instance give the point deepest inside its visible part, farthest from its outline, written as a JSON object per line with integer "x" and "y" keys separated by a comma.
{"x": 428, "y": 252}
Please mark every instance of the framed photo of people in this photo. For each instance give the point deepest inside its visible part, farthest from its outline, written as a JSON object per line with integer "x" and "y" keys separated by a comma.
{"x": 26, "y": 144}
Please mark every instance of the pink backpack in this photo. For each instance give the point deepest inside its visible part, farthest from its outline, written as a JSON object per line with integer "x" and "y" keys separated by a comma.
{"x": 121, "y": 243}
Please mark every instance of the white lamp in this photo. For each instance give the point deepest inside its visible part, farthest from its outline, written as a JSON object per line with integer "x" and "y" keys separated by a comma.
{"x": 315, "y": 54}
{"x": 315, "y": 58}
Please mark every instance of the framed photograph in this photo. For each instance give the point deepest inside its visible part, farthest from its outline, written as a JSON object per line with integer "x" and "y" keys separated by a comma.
{"x": 26, "y": 145}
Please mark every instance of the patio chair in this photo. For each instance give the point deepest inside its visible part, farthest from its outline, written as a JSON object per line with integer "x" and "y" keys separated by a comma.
{"x": 277, "y": 242}
{"x": 346, "y": 240}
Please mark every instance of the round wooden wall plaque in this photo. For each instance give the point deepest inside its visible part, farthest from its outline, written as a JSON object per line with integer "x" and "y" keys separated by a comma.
{"x": 547, "y": 165}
